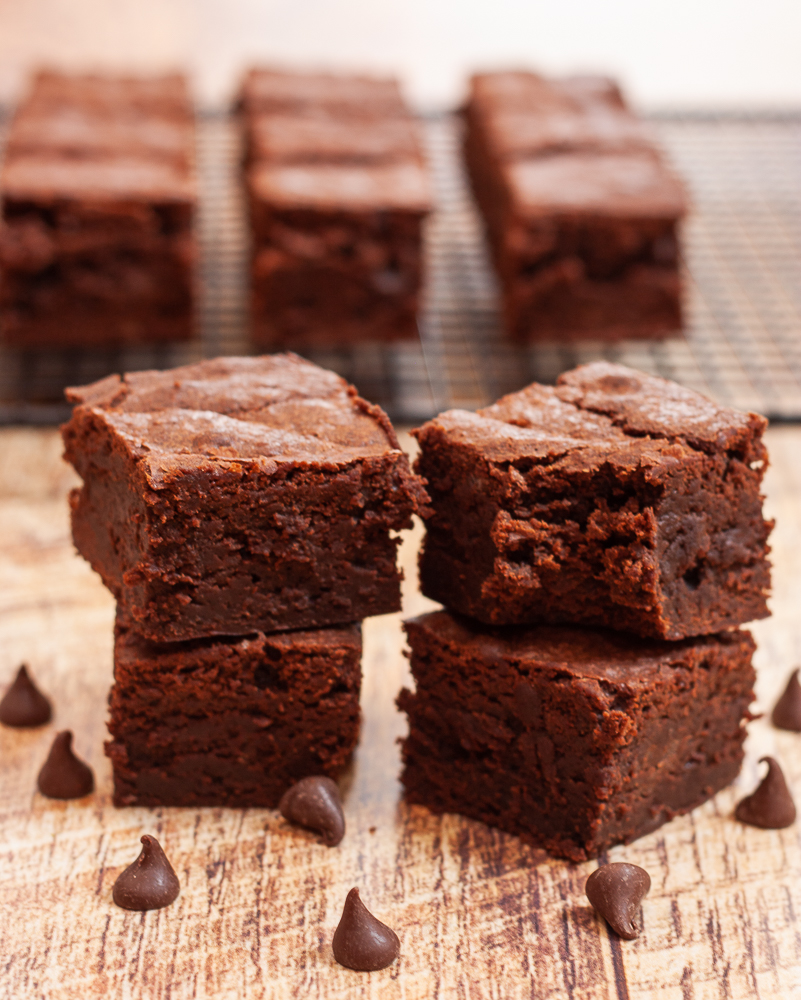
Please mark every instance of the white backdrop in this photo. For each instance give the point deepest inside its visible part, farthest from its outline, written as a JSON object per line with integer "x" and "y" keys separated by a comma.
{"x": 668, "y": 52}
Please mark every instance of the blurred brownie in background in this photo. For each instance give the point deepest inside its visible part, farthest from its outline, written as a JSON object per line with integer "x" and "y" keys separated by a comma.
{"x": 580, "y": 207}
{"x": 338, "y": 192}
{"x": 98, "y": 188}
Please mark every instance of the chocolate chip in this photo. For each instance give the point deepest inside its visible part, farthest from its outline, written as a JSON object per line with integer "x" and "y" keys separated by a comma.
{"x": 315, "y": 803}
{"x": 63, "y": 776}
{"x": 361, "y": 941}
{"x": 24, "y": 704}
{"x": 150, "y": 882}
{"x": 616, "y": 892}
{"x": 787, "y": 713}
{"x": 771, "y": 806}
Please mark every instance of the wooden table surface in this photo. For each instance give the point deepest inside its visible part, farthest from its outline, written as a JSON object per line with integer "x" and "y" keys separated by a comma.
{"x": 478, "y": 913}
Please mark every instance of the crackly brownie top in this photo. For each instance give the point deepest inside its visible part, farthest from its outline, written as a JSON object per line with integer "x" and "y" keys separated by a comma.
{"x": 518, "y": 135}
{"x": 350, "y": 187}
{"x": 525, "y": 115}
{"x": 598, "y": 411}
{"x": 573, "y": 652}
{"x": 164, "y": 96}
{"x": 47, "y": 178}
{"x": 634, "y": 184}
{"x": 283, "y": 138}
{"x": 75, "y": 131}
{"x": 269, "y": 410}
{"x": 356, "y": 96}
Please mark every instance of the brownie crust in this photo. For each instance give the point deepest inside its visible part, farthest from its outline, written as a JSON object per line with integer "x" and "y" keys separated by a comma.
{"x": 574, "y": 739}
{"x": 231, "y": 722}
{"x": 614, "y": 499}
{"x": 239, "y": 494}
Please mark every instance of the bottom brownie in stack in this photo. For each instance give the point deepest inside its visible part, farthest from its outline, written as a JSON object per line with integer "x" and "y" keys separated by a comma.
{"x": 231, "y": 721}
{"x": 576, "y": 738}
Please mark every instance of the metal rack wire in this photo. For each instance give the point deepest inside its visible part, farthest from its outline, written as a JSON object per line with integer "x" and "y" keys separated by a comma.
{"x": 742, "y": 248}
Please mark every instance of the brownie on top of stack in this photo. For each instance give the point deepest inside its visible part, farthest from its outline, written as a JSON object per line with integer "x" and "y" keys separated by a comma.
{"x": 338, "y": 191}
{"x": 96, "y": 242}
{"x": 580, "y": 207}
{"x": 596, "y": 545}
{"x": 241, "y": 511}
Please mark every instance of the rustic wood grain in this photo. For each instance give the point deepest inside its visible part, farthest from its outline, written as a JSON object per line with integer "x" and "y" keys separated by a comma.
{"x": 479, "y": 914}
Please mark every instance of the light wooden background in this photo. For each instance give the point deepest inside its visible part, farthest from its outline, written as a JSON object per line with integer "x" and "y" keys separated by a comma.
{"x": 478, "y": 914}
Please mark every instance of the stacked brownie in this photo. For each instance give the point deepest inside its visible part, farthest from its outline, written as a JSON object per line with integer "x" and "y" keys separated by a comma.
{"x": 98, "y": 190}
{"x": 580, "y": 208}
{"x": 337, "y": 192}
{"x": 242, "y": 511}
{"x": 596, "y": 544}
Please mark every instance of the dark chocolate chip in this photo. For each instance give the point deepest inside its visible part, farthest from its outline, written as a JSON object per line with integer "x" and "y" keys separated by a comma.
{"x": 787, "y": 713}
{"x": 771, "y": 806}
{"x": 361, "y": 941}
{"x": 63, "y": 776}
{"x": 150, "y": 882}
{"x": 616, "y": 892}
{"x": 24, "y": 704}
{"x": 315, "y": 803}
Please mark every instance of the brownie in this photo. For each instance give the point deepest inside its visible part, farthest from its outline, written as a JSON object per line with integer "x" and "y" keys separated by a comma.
{"x": 580, "y": 208}
{"x": 575, "y": 739}
{"x": 338, "y": 192}
{"x": 231, "y": 721}
{"x": 614, "y": 499}
{"x": 238, "y": 494}
{"x": 96, "y": 242}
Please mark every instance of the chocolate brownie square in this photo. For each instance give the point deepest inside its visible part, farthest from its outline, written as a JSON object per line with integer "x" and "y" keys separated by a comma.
{"x": 337, "y": 252}
{"x": 573, "y": 738}
{"x": 338, "y": 192}
{"x": 96, "y": 241}
{"x": 614, "y": 498}
{"x": 238, "y": 495}
{"x": 580, "y": 207}
{"x": 231, "y": 721}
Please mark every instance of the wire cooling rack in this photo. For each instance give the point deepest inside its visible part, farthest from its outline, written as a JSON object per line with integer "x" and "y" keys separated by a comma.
{"x": 742, "y": 246}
